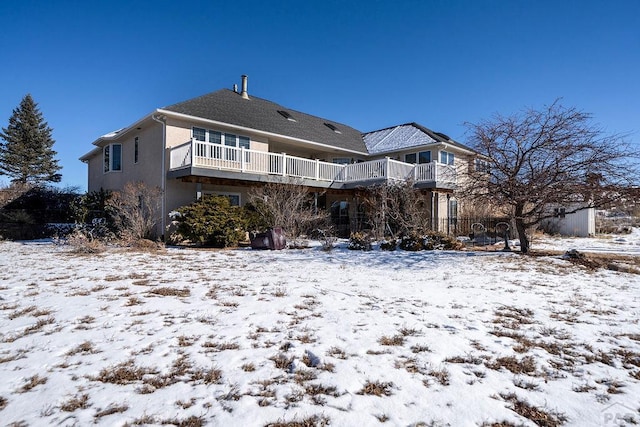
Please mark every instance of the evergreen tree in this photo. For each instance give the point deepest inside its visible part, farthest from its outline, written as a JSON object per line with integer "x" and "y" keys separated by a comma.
{"x": 26, "y": 153}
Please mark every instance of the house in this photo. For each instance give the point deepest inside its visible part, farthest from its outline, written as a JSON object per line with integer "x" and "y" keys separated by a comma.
{"x": 227, "y": 141}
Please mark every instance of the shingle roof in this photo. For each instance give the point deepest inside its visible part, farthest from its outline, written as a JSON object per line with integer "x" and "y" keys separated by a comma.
{"x": 405, "y": 136}
{"x": 229, "y": 107}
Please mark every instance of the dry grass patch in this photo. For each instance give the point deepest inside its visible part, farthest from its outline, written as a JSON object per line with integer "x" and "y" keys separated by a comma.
{"x": 538, "y": 416}
{"x": 171, "y": 292}
{"x": 114, "y": 409}
{"x": 123, "y": 373}
{"x": 248, "y": 367}
{"x": 133, "y": 301}
{"x": 86, "y": 347}
{"x": 32, "y": 382}
{"x": 221, "y": 346}
{"x": 303, "y": 375}
{"x": 377, "y": 388}
{"x": 22, "y": 312}
{"x": 391, "y": 341}
{"x": 8, "y": 357}
{"x": 442, "y": 376}
{"x": 313, "y": 421}
{"x": 3, "y": 402}
{"x": 185, "y": 341}
{"x": 468, "y": 359}
{"x": 526, "y": 365}
{"x": 337, "y": 352}
{"x": 76, "y": 402}
{"x": 282, "y": 361}
{"x": 191, "y": 421}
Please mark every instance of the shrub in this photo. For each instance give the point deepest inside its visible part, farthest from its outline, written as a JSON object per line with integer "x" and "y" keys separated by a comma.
{"x": 359, "y": 242}
{"x": 412, "y": 242}
{"x": 389, "y": 245}
{"x": 434, "y": 240}
{"x": 135, "y": 210}
{"x": 212, "y": 221}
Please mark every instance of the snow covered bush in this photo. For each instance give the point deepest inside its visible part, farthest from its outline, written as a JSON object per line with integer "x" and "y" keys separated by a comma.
{"x": 411, "y": 242}
{"x": 388, "y": 245}
{"x": 359, "y": 242}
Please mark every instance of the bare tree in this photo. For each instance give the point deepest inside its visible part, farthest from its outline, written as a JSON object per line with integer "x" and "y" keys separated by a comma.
{"x": 286, "y": 204}
{"x": 136, "y": 210}
{"x": 538, "y": 159}
{"x": 397, "y": 208}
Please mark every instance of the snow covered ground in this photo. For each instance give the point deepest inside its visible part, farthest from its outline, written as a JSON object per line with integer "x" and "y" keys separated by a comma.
{"x": 251, "y": 338}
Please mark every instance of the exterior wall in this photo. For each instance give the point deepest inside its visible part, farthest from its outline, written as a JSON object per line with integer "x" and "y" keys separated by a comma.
{"x": 148, "y": 169}
{"x": 578, "y": 224}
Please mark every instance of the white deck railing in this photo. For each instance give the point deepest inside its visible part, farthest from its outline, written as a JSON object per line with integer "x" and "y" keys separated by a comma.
{"x": 215, "y": 156}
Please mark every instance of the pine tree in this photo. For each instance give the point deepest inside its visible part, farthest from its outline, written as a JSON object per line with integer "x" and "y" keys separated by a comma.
{"x": 26, "y": 153}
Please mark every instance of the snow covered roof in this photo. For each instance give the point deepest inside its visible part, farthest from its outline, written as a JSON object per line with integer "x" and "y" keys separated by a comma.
{"x": 112, "y": 134}
{"x": 405, "y": 136}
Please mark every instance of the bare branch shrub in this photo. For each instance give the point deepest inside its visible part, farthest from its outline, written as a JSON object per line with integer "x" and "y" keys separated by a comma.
{"x": 287, "y": 204}
{"x": 397, "y": 209}
{"x": 136, "y": 211}
{"x": 12, "y": 192}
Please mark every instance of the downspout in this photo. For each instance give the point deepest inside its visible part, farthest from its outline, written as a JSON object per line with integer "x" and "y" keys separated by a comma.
{"x": 161, "y": 120}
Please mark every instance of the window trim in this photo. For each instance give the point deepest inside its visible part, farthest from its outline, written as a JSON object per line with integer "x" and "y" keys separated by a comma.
{"x": 449, "y": 156}
{"x": 416, "y": 155}
{"x": 237, "y": 143}
{"x": 108, "y": 158}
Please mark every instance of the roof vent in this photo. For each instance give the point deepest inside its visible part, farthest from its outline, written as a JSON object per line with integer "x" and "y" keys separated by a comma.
{"x": 286, "y": 115}
{"x": 332, "y": 127}
{"x": 244, "y": 93}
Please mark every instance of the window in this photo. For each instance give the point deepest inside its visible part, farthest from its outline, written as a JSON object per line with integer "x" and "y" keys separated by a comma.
{"x": 421, "y": 157}
{"x": 199, "y": 134}
{"x": 481, "y": 165}
{"x": 410, "y": 158}
{"x": 446, "y": 157}
{"x": 424, "y": 157}
{"x": 216, "y": 137}
{"x": 112, "y": 155}
{"x": 341, "y": 160}
{"x": 559, "y": 212}
{"x": 234, "y": 198}
{"x": 135, "y": 150}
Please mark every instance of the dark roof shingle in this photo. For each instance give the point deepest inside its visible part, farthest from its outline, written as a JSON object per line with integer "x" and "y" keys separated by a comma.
{"x": 228, "y": 106}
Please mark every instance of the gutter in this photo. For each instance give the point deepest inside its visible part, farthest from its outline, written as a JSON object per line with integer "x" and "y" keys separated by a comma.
{"x": 161, "y": 120}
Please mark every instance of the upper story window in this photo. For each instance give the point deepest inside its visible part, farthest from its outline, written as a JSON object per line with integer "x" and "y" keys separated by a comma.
{"x": 341, "y": 160}
{"x": 415, "y": 158}
{"x": 136, "y": 142}
{"x": 481, "y": 165}
{"x": 216, "y": 137}
{"x": 112, "y": 157}
{"x": 446, "y": 157}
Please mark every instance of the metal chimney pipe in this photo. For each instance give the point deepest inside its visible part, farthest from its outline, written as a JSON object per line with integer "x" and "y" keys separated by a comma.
{"x": 244, "y": 93}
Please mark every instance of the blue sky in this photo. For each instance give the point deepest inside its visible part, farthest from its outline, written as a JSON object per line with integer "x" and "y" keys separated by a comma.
{"x": 96, "y": 66}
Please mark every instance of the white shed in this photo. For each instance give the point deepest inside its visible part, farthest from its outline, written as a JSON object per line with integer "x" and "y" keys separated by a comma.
{"x": 579, "y": 224}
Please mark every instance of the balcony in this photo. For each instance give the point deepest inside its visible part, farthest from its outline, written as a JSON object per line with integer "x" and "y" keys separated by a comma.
{"x": 197, "y": 157}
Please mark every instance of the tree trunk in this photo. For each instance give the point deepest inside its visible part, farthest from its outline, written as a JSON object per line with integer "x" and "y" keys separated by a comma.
{"x": 522, "y": 235}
